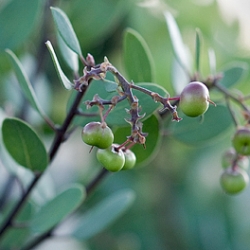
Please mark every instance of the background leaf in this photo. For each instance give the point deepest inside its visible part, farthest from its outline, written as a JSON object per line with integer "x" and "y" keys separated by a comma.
{"x": 25, "y": 83}
{"x": 24, "y": 145}
{"x": 63, "y": 78}
{"x": 66, "y": 30}
{"x": 233, "y": 73}
{"x": 57, "y": 209}
{"x": 103, "y": 214}
{"x": 138, "y": 60}
{"x": 176, "y": 41}
{"x": 197, "y": 49}
{"x": 17, "y": 21}
{"x": 195, "y": 131}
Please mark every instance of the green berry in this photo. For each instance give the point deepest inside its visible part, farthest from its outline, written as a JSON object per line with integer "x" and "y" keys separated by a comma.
{"x": 130, "y": 159}
{"x": 111, "y": 158}
{"x": 234, "y": 181}
{"x": 241, "y": 141}
{"x": 194, "y": 99}
{"x": 97, "y": 134}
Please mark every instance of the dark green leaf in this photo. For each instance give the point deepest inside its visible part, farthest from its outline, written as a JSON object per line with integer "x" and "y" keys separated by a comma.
{"x": 153, "y": 140}
{"x": 197, "y": 49}
{"x": 233, "y": 74}
{"x": 103, "y": 214}
{"x": 137, "y": 57}
{"x": 118, "y": 114}
{"x": 69, "y": 56}
{"x": 63, "y": 78}
{"x": 57, "y": 209}
{"x": 195, "y": 131}
{"x": 176, "y": 40}
{"x": 24, "y": 145}
{"x": 25, "y": 83}
{"x": 17, "y": 21}
{"x": 66, "y": 30}
{"x": 110, "y": 86}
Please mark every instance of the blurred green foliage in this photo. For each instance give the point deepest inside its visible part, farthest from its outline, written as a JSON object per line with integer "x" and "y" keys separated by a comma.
{"x": 179, "y": 204}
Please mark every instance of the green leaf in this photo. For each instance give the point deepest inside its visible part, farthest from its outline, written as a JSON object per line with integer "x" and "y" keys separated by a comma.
{"x": 110, "y": 86}
{"x": 197, "y": 49}
{"x": 63, "y": 78}
{"x": 24, "y": 145}
{"x": 69, "y": 56}
{"x": 138, "y": 60}
{"x": 216, "y": 121}
{"x": 176, "y": 40}
{"x": 17, "y": 21}
{"x": 103, "y": 214}
{"x": 233, "y": 73}
{"x": 118, "y": 114}
{"x": 54, "y": 211}
{"x": 153, "y": 140}
{"x": 66, "y": 30}
{"x": 25, "y": 83}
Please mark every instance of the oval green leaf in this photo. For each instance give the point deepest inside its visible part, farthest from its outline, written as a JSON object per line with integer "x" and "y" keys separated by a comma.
{"x": 216, "y": 121}
{"x": 66, "y": 30}
{"x": 103, "y": 214}
{"x": 17, "y": 21}
{"x": 233, "y": 74}
{"x": 54, "y": 211}
{"x": 69, "y": 56}
{"x": 118, "y": 114}
{"x": 24, "y": 145}
{"x": 63, "y": 78}
{"x": 138, "y": 60}
{"x": 153, "y": 140}
{"x": 25, "y": 83}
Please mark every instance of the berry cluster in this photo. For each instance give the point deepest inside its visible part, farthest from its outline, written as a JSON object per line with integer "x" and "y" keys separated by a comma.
{"x": 235, "y": 161}
{"x": 112, "y": 156}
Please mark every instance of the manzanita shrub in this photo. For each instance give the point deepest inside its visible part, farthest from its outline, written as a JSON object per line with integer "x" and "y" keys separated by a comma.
{"x": 121, "y": 115}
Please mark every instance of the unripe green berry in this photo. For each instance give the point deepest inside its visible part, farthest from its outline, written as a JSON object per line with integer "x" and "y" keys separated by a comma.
{"x": 241, "y": 141}
{"x": 130, "y": 159}
{"x": 97, "y": 134}
{"x": 234, "y": 181}
{"x": 111, "y": 158}
{"x": 194, "y": 99}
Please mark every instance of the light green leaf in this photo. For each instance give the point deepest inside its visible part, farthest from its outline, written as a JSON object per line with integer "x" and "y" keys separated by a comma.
{"x": 194, "y": 131}
{"x": 17, "y": 21}
{"x": 63, "y": 78}
{"x": 54, "y": 211}
{"x": 66, "y": 30}
{"x": 103, "y": 214}
{"x": 25, "y": 83}
{"x": 212, "y": 61}
{"x": 233, "y": 73}
{"x": 69, "y": 56}
{"x": 138, "y": 60}
{"x": 176, "y": 40}
{"x": 24, "y": 145}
